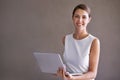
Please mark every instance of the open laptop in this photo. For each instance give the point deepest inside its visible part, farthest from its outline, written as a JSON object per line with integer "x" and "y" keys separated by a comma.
{"x": 48, "y": 62}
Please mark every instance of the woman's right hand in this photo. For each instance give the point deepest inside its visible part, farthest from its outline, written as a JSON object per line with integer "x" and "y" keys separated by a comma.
{"x": 61, "y": 72}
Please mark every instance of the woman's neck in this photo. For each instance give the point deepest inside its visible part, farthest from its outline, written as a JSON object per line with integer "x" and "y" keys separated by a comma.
{"x": 80, "y": 35}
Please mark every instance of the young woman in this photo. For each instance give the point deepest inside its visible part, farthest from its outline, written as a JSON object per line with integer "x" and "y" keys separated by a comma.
{"x": 82, "y": 50}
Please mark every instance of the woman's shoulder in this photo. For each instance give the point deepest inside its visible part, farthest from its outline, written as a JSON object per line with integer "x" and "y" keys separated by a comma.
{"x": 64, "y": 37}
{"x": 95, "y": 40}
{"x": 94, "y": 37}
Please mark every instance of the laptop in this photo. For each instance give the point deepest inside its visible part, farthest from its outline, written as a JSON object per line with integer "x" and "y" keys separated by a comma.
{"x": 48, "y": 62}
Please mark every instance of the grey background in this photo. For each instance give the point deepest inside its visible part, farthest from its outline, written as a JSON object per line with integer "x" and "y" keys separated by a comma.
{"x": 39, "y": 25}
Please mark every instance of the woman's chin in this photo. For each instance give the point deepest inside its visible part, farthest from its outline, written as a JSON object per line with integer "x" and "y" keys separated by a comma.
{"x": 79, "y": 27}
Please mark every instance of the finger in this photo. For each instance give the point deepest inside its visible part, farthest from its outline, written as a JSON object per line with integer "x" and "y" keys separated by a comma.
{"x": 60, "y": 68}
{"x": 67, "y": 73}
{"x": 64, "y": 67}
{"x": 60, "y": 73}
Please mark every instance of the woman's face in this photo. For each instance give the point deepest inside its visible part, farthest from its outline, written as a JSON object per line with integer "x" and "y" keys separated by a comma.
{"x": 81, "y": 19}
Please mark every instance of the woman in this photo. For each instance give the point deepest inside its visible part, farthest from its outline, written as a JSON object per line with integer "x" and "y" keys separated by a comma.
{"x": 82, "y": 50}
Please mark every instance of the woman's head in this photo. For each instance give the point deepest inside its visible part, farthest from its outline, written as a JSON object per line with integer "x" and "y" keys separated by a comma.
{"x": 81, "y": 17}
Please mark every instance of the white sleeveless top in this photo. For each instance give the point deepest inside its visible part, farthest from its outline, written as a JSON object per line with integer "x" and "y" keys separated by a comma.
{"x": 76, "y": 53}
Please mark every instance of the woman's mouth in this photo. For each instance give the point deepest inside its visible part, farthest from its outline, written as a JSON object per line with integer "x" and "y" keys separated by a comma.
{"x": 79, "y": 24}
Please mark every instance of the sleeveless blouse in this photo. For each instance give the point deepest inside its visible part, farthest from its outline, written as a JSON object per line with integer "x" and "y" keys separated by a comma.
{"x": 76, "y": 53}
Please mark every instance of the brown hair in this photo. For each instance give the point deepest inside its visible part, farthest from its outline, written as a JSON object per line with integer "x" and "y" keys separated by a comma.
{"x": 83, "y": 7}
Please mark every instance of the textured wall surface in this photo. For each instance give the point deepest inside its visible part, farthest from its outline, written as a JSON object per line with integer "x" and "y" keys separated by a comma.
{"x": 39, "y": 25}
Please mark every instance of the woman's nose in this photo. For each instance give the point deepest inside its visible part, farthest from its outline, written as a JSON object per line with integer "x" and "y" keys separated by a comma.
{"x": 80, "y": 19}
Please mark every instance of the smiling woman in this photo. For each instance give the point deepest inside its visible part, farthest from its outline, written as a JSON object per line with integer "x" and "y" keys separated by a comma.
{"x": 80, "y": 20}
{"x": 81, "y": 53}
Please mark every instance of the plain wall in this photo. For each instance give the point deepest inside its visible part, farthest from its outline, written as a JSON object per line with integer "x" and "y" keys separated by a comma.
{"x": 39, "y": 25}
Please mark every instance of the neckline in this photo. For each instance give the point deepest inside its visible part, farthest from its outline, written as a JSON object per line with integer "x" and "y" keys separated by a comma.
{"x": 80, "y": 39}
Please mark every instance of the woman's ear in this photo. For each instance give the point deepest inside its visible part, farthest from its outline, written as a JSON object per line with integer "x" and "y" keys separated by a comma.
{"x": 89, "y": 19}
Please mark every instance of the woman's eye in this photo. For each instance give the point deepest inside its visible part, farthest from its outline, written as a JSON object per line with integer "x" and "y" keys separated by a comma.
{"x": 84, "y": 17}
{"x": 76, "y": 16}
